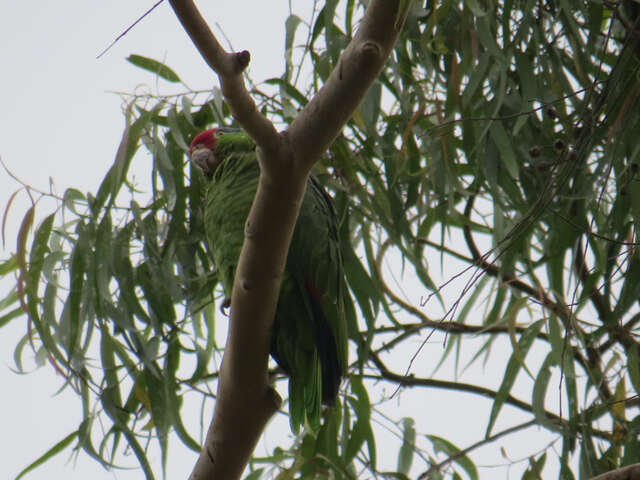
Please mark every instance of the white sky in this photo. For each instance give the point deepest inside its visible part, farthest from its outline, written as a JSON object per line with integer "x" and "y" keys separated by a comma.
{"x": 58, "y": 121}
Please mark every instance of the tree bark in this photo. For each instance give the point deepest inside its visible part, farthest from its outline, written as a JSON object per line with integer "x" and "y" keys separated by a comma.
{"x": 632, "y": 472}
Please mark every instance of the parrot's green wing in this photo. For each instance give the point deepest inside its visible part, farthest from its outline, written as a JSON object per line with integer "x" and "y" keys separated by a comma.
{"x": 309, "y": 338}
{"x": 312, "y": 305}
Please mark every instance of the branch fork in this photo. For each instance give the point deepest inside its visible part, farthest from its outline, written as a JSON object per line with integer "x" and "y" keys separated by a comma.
{"x": 245, "y": 400}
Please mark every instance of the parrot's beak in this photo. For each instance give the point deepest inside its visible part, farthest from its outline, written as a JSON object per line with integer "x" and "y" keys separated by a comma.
{"x": 204, "y": 158}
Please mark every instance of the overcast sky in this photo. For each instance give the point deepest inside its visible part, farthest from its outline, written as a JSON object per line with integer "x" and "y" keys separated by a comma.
{"x": 58, "y": 121}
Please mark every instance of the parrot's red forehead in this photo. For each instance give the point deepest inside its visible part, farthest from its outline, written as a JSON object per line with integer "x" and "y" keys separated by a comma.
{"x": 206, "y": 138}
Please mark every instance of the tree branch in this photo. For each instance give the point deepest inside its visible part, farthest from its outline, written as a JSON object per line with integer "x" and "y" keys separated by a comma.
{"x": 494, "y": 271}
{"x": 410, "y": 380}
{"x": 229, "y": 67}
{"x": 245, "y": 400}
{"x": 451, "y": 326}
{"x": 621, "y": 334}
{"x": 632, "y": 472}
{"x": 437, "y": 467}
{"x": 318, "y": 124}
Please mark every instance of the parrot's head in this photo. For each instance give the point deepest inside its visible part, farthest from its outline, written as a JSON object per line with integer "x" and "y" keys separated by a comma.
{"x": 201, "y": 150}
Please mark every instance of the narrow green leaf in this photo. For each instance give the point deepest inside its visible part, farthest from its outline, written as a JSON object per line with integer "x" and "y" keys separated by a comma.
{"x": 326, "y": 444}
{"x": 114, "y": 179}
{"x": 442, "y": 445}
{"x": 124, "y": 274}
{"x": 187, "y": 106}
{"x": 540, "y": 391}
{"x": 111, "y": 392}
{"x": 76, "y": 289}
{"x": 370, "y": 108}
{"x": 52, "y": 452}
{"x": 84, "y": 438}
{"x": 155, "y": 67}
{"x": 632, "y": 445}
{"x": 290, "y": 25}
{"x": 633, "y": 366}
{"x": 513, "y": 310}
{"x": 357, "y": 435}
{"x": 474, "y": 6}
{"x": 362, "y": 431}
{"x": 17, "y": 352}
{"x": 535, "y": 468}
{"x": 38, "y": 250}
{"x": 5, "y": 215}
{"x": 512, "y": 369}
{"x": 507, "y": 155}
{"x": 487, "y": 38}
{"x": 173, "y": 399}
{"x": 11, "y": 298}
{"x": 289, "y": 89}
{"x": 48, "y": 321}
{"x": 477, "y": 76}
{"x": 570, "y": 381}
{"x": 21, "y": 247}
{"x": 408, "y": 447}
{"x": 32, "y": 281}
{"x": 159, "y": 408}
{"x": 9, "y": 265}
{"x": 175, "y": 131}
{"x": 72, "y": 197}
{"x": 115, "y": 413}
{"x": 524, "y": 67}
{"x": 166, "y": 170}
{"x": 361, "y": 284}
{"x": 556, "y": 338}
{"x": 7, "y": 317}
{"x": 348, "y": 18}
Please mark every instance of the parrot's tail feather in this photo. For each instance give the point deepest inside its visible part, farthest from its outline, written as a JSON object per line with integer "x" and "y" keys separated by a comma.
{"x": 327, "y": 351}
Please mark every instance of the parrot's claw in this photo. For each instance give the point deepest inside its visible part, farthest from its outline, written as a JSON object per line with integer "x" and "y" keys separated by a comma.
{"x": 223, "y": 307}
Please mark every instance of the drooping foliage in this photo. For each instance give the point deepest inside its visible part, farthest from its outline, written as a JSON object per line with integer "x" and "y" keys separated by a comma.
{"x": 492, "y": 169}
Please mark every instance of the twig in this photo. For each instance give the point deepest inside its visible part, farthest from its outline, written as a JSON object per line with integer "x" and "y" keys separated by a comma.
{"x": 128, "y": 29}
{"x": 410, "y": 380}
{"x": 439, "y": 466}
{"x": 229, "y": 67}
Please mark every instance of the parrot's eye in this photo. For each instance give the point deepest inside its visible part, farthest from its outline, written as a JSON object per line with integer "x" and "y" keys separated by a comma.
{"x": 218, "y": 133}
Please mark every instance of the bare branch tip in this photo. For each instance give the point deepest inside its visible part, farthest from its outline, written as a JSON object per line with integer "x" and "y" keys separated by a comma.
{"x": 241, "y": 60}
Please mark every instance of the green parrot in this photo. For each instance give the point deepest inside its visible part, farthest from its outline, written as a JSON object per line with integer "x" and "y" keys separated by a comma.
{"x": 309, "y": 336}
